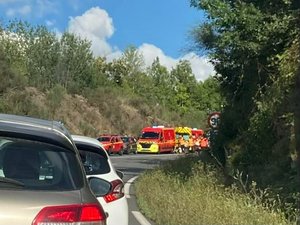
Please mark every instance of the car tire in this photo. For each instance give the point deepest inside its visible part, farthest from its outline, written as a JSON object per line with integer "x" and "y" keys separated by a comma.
{"x": 110, "y": 151}
{"x": 121, "y": 151}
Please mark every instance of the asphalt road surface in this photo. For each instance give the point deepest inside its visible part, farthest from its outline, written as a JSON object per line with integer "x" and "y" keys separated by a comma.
{"x": 132, "y": 166}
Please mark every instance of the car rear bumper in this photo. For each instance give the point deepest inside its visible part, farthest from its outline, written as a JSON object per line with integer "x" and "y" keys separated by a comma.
{"x": 117, "y": 211}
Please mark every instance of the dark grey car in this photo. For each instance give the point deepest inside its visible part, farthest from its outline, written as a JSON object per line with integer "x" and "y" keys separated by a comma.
{"x": 42, "y": 180}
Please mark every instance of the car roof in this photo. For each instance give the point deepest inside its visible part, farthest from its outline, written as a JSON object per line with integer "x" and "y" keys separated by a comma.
{"x": 24, "y": 127}
{"x": 84, "y": 140}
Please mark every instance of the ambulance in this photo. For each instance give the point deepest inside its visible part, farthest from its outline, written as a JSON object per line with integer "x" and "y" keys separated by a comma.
{"x": 156, "y": 139}
{"x": 185, "y": 133}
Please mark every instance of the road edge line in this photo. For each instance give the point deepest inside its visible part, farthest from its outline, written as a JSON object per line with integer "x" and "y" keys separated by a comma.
{"x": 127, "y": 186}
{"x": 140, "y": 218}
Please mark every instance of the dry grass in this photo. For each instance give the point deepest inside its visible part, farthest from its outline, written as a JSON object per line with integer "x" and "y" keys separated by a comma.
{"x": 172, "y": 198}
{"x": 81, "y": 116}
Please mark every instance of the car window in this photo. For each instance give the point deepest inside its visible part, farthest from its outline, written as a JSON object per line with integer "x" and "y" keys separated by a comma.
{"x": 38, "y": 165}
{"x": 94, "y": 159}
{"x": 103, "y": 139}
{"x": 125, "y": 139}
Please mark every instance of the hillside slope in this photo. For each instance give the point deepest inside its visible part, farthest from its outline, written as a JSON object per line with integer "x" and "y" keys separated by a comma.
{"x": 79, "y": 114}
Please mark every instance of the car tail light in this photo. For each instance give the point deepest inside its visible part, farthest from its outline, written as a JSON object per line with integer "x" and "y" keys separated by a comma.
{"x": 86, "y": 214}
{"x": 117, "y": 191}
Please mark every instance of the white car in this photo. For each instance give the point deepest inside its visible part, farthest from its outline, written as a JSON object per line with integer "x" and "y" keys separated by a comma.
{"x": 97, "y": 164}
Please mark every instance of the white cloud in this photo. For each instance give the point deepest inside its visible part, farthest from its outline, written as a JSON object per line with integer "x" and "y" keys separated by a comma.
{"x": 96, "y": 26}
{"x": 201, "y": 67}
{"x": 24, "y": 10}
{"x": 150, "y": 52}
{"x": 50, "y": 23}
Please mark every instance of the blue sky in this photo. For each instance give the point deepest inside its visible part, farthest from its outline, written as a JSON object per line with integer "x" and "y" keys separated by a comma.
{"x": 156, "y": 27}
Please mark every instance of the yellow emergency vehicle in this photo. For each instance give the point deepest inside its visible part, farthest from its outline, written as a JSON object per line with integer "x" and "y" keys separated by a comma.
{"x": 183, "y": 135}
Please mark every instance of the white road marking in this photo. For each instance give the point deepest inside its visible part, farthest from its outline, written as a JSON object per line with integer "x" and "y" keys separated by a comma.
{"x": 127, "y": 186}
{"x": 140, "y": 218}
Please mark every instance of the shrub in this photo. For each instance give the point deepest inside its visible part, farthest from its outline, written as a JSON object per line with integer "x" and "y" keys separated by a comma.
{"x": 170, "y": 196}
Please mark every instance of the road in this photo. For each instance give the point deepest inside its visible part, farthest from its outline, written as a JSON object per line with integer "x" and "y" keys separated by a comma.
{"x": 132, "y": 166}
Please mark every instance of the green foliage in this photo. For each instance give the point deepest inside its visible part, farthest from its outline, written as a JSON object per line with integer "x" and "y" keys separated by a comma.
{"x": 162, "y": 84}
{"x": 254, "y": 46}
{"x": 42, "y": 55}
{"x": 75, "y": 63}
{"x": 184, "y": 86}
{"x": 10, "y": 78}
{"x": 190, "y": 195}
{"x": 64, "y": 65}
{"x": 207, "y": 97}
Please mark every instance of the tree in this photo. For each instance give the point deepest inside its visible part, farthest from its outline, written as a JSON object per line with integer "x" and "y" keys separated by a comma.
{"x": 116, "y": 71}
{"x": 14, "y": 39}
{"x": 162, "y": 83}
{"x": 75, "y": 63}
{"x": 247, "y": 42}
{"x": 10, "y": 79}
{"x": 42, "y": 56}
{"x": 208, "y": 97}
{"x": 184, "y": 85}
{"x": 100, "y": 75}
{"x": 134, "y": 63}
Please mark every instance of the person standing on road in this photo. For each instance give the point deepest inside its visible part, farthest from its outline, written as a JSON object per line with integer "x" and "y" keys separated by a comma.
{"x": 181, "y": 143}
{"x": 191, "y": 143}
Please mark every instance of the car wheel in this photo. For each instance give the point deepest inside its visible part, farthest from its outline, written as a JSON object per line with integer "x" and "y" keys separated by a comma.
{"x": 110, "y": 151}
{"x": 121, "y": 151}
{"x": 126, "y": 151}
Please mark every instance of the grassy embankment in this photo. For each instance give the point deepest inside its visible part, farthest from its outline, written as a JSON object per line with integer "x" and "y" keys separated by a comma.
{"x": 193, "y": 196}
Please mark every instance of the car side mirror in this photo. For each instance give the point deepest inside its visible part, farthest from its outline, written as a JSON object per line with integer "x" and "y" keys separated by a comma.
{"x": 120, "y": 174}
{"x": 99, "y": 186}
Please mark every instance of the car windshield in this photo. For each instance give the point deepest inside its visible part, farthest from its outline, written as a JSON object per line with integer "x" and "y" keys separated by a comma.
{"x": 34, "y": 165}
{"x": 150, "y": 135}
{"x": 103, "y": 139}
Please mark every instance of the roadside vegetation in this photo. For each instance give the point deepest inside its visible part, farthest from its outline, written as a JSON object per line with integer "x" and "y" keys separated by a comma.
{"x": 184, "y": 193}
{"x": 255, "y": 49}
{"x": 40, "y": 72}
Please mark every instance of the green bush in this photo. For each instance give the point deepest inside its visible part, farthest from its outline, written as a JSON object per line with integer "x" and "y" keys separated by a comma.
{"x": 170, "y": 196}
